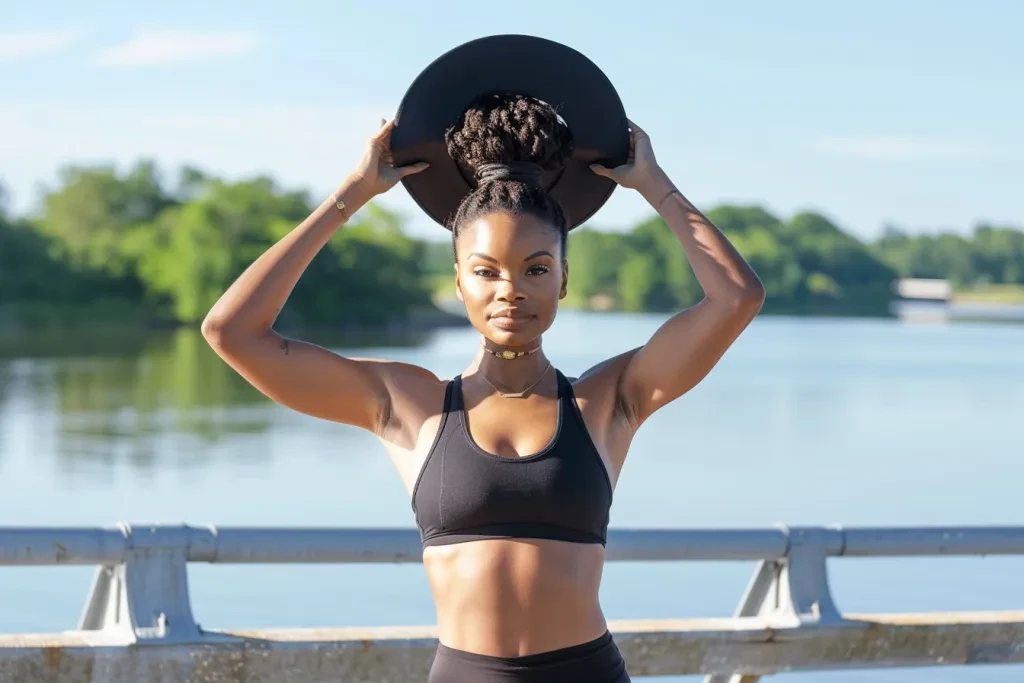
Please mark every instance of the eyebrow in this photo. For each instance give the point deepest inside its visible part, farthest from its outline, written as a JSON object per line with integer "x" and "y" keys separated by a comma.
{"x": 485, "y": 257}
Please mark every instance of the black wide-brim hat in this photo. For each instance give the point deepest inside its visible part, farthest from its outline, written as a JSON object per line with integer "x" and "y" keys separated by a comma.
{"x": 522, "y": 65}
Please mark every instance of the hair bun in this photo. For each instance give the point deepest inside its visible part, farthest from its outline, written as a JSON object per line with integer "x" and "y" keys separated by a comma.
{"x": 509, "y": 137}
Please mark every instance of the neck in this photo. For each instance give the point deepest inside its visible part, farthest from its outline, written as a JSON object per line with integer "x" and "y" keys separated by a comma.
{"x": 511, "y": 374}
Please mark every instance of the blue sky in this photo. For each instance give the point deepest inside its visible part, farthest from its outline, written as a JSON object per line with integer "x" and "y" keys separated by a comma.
{"x": 872, "y": 112}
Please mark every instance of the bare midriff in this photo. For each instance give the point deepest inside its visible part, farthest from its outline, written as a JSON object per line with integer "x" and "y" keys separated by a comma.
{"x": 515, "y": 597}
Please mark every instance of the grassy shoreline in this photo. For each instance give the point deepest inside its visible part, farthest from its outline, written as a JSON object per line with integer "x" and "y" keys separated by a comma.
{"x": 991, "y": 294}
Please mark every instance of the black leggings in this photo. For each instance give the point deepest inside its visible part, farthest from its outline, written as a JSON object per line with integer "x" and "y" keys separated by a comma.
{"x": 598, "y": 661}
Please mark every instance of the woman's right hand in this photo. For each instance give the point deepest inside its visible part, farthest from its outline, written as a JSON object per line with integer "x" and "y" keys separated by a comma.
{"x": 376, "y": 173}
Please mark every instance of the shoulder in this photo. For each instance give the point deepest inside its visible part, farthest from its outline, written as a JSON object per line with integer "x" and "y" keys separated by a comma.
{"x": 391, "y": 369}
{"x": 601, "y": 383}
{"x": 408, "y": 386}
{"x": 414, "y": 394}
{"x": 609, "y": 370}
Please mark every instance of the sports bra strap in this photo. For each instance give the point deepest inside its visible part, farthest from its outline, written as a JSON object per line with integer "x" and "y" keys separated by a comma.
{"x": 454, "y": 402}
{"x": 564, "y": 388}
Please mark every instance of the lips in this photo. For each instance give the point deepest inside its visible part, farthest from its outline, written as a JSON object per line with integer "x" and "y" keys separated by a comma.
{"x": 512, "y": 313}
{"x": 509, "y": 318}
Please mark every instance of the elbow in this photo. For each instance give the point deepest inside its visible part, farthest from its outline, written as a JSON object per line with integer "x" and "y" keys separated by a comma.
{"x": 750, "y": 297}
{"x": 219, "y": 332}
{"x": 754, "y": 293}
{"x": 225, "y": 335}
{"x": 213, "y": 331}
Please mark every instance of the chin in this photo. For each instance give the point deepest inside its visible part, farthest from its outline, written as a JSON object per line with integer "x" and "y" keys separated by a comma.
{"x": 510, "y": 337}
{"x": 521, "y": 336}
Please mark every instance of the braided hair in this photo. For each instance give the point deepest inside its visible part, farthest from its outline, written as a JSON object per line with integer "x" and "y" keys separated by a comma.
{"x": 507, "y": 141}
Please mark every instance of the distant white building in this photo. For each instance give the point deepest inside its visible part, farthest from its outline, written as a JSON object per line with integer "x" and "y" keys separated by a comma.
{"x": 923, "y": 289}
{"x": 922, "y": 300}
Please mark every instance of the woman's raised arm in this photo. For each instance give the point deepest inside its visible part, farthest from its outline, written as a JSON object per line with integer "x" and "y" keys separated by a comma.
{"x": 687, "y": 346}
{"x": 297, "y": 374}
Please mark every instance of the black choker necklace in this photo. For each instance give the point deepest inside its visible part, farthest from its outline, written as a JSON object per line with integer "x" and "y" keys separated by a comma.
{"x": 508, "y": 354}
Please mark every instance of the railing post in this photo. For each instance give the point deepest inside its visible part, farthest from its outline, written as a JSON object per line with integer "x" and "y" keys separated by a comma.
{"x": 146, "y": 598}
{"x": 790, "y": 592}
{"x": 804, "y": 594}
{"x": 101, "y": 606}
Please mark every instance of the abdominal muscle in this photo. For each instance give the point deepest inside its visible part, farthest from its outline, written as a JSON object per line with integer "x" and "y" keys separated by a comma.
{"x": 515, "y": 597}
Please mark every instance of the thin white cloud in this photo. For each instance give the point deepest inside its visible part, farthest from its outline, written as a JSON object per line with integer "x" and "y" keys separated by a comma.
{"x": 905, "y": 148}
{"x": 158, "y": 47}
{"x": 27, "y": 44}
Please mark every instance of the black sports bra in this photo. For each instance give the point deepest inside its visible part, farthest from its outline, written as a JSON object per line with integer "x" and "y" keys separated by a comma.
{"x": 464, "y": 493}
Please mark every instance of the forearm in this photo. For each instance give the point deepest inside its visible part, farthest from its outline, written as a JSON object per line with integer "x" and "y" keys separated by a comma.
{"x": 722, "y": 272}
{"x": 252, "y": 303}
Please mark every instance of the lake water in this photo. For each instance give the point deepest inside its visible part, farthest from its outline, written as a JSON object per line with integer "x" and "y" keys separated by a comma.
{"x": 805, "y": 421}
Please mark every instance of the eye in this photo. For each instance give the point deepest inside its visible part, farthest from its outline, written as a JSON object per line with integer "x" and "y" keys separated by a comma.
{"x": 483, "y": 272}
{"x": 538, "y": 270}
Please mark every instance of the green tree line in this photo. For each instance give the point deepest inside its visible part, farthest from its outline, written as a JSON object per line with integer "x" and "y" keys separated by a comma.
{"x": 128, "y": 246}
{"x": 108, "y": 246}
{"x": 808, "y": 264}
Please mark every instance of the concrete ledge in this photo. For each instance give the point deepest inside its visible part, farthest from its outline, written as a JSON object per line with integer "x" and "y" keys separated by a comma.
{"x": 404, "y": 654}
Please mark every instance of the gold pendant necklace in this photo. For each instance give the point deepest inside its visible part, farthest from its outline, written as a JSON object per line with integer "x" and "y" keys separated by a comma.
{"x": 517, "y": 394}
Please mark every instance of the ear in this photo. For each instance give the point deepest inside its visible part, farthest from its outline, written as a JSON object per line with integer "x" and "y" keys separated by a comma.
{"x": 565, "y": 279}
{"x": 458, "y": 284}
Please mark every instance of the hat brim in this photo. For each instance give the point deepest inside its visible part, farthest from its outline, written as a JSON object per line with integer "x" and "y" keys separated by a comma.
{"x": 525, "y": 65}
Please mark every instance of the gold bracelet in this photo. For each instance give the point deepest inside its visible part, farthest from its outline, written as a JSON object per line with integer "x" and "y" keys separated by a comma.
{"x": 339, "y": 204}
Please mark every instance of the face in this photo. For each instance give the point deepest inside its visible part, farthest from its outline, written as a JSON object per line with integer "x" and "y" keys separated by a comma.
{"x": 511, "y": 276}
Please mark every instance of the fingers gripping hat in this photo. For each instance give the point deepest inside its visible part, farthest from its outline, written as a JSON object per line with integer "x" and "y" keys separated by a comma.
{"x": 520, "y": 65}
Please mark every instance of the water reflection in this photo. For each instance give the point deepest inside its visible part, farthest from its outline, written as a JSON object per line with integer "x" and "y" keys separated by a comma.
{"x": 141, "y": 400}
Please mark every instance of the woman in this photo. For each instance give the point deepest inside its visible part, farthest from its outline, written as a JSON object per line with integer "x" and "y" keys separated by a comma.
{"x": 510, "y": 466}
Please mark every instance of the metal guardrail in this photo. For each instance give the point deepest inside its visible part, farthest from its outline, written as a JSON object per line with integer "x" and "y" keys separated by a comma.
{"x": 787, "y": 620}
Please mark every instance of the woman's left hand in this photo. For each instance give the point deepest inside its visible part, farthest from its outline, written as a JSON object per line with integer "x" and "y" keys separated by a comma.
{"x": 640, "y": 169}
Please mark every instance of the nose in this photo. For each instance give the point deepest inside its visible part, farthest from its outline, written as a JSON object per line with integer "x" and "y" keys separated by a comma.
{"x": 509, "y": 291}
